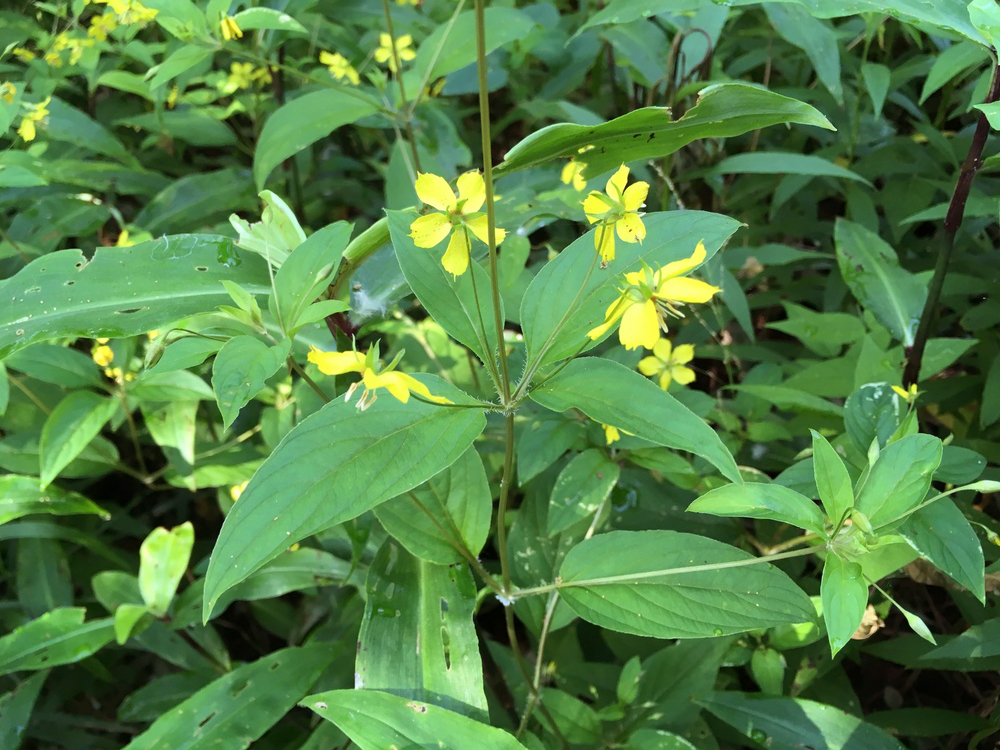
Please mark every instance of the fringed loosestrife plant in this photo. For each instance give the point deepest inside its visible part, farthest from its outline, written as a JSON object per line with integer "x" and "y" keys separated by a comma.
{"x": 404, "y": 50}
{"x": 339, "y": 67}
{"x": 616, "y": 209}
{"x": 668, "y": 363}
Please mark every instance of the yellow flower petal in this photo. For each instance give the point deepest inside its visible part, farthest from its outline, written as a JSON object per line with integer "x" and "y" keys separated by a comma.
{"x": 456, "y": 257}
{"x": 616, "y": 184}
{"x": 337, "y": 363}
{"x": 435, "y": 191}
{"x": 662, "y": 350}
{"x": 615, "y": 310}
{"x": 430, "y": 230}
{"x": 596, "y": 206}
{"x": 611, "y": 434}
{"x": 684, "y": 289}
{"x": 682, "y": 375}
{"x": 391, "y": 381}
{"x": 471, "y": 190}
{"x": 640, "y": 326}
{"x": 480, "y": 227}
{"x": 664, "y": 380}
{"x": 630, "y": 228}
{"x": 635, "y": 196}
{"x": 604, "y": 241}
{"x": 650, "y": 365}
{"x": 683, "y": 353}
{"x": 681, "y": 267}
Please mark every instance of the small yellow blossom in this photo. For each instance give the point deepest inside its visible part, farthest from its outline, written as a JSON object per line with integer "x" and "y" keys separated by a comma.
{"x": 8, "y": 91}
{"x": 123, "y": 239}
{"x": 373, "y": 376}
{"x": 909, "y": 396}
{"x": 101, "y": 26}
{"x": 669, "y": 363}
{"x": 617, "y": 209}
{"x": 611, "y": 434}
{"x": 404, "y": 50}
{"x": 129, "y": 12}
{"x": 152, "y": 334}
{"x": 339, "y": 67}
{"x": 572, "y": 174}
{"x": 102, "y": 340}
{"x": 457, "y": 216}
{"x": 240, "y": 75}
{"x": 36, "y": 113}
{"x": 103, "y": 355}
{"x": 23, "y": 54}
{"x": 230, "y": 29}
{"x": 237, "y": 489}
{"x": 172, "y": 96}
{"x": 649, "y": 297}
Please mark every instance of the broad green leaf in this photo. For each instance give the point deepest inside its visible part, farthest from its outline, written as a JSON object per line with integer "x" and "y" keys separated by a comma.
{"x": 723, "y": 110}
{"x": 66, "y": 123}
{"x": 845, "y": 596}
{"x": 832, "y": 479}
{"x": 180, "y": 61}
{"x": 172, "y": 426}
{"x": 927, "y": 721}
{"x": 15, "y": 710}
{"x": 241, "y": 369}
{"x": 942, "y": 353}
{"x": 236, "y": 709}
{"x": 417, "y": 637}
{"x": 450, "y": 300}
{"x": 59, "y": 365}
{"x": 613, "y": 395}
{"x": 127, "y": 618}
{"x": 22, "y": 496}
{"x": 267, "y": 18}
{"x": 791, "y": 399}
{"x": 194, "y": 201}
{"x": 544, "y": 438}
{"x": 453, "y": 507}
{"x": 303, "y": 121}
{"x": 161, "y": 694}
{"x": 824, "y": 333}
{"x": 952, "y": 61}
{"x": 985, "y": 16}
{"x": 942, "y": 536}
{"x": 375, "y": 721}
{"x": 675, "y": 675}
{"x": 575, "y": 720}
{"x": 298, "y": 569}
{"x": 797, "y": 26}
{"x": 171, "y": 386}
{"x": 57, "y": 637}
{"x": 43, "y": 576}
{"x": 873, "y": 411}
{"x": 307, "y": 271}
{"x": 794, "y": 723}
{"x": 959, "y": 465}
{"x": 182, "y": 353}
{"x": 571, "y": 294}
{"x": 123, "y": 291}
{"x": 877, "y": 80}
{"x": 332, "y": 467}
{"x": 667, "y": 584}
{"x": 899, "y": 479}
{"x": 979, "y": 641}
{"x": 581, "y": 488}
{"x": 75, "y": 421}
{"x": 758, "y": 500}
{"x": 776, "y": 162}
{"x": 163, "y": 558}
{"x": 872, "y": 271}
{"x": 767, "y": 666}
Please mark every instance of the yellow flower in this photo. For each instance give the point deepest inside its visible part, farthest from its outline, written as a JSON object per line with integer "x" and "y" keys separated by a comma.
{"x": 261, "y": 75}
{"x": 172, "y": 96}
{"x": 103, "y": 355}
{"x": 909, "y": 396}
{"x": 23, "y": 54}
{"x": 650, "y": 296}
{"x": 339, "y": 67}
{"x": 455, "y": 215}
{"x": 101, "y": 26}
{"x": 618, "y": 208}
{"x": 240, "y": 75}
{"x": 404, "y": 50}
{"x": 237, "y": 489}
{"x": 103, "y": 340}
{"x": 572, "y": 174}
{"x": 152, "y": 334}
{"x": 123, "y": 239}
{"x": 230, "y": 29}
{"x": 8, "y": 91}
{"x": 36, "y": 113}
{"x": 668, "y": 362}
{"x": 611, "y": 434}
{"x": 373, "y": 377}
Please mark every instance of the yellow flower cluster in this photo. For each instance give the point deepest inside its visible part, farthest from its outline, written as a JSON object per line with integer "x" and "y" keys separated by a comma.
{"x": 103, "y": 355}
{"x": 128, "y": 12}
{"x": 245, "y": 75}
{"x": 339, "y": 67}
{"x": 404, "y": 50}
{"x": 36, "y": 113}
{"x": 65, "y": 43}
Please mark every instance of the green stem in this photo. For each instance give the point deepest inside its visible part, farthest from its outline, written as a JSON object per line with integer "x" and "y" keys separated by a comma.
{"x": 308, "y": 380}
{"x": 490, "y": 362}
{"x": 505, "y": 481}
{"x": 484, "y": 122}
{"x": 398, "y": 75}
{"x": 550, "y": 609}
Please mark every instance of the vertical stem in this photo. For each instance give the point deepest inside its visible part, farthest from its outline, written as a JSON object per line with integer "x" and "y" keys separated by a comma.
{"x": 952, "y": 222}
{"x": 505, "y": 481}
{"x": 403, "y": 106}
{"x": 484, "y": 122}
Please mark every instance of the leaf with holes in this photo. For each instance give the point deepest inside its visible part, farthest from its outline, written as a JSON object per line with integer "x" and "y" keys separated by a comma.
{"x": 57, "y": 637}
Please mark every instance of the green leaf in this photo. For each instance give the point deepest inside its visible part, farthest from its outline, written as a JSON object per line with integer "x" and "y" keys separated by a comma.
{"x": 757, "y": 500}
{"x": 723, "y": 110}
{"x": 657, "y": 739}
{"x": 75, "y": 421}
{"x": 570, "y": 294}
{"x": 417, "y": 637}
{"x": 267, "y": 18}
{"x": 236, "y": 709}
{"x": 332, "y": 467}
{"x": 303, "y": 121}
{"x": 874, "y": 411}
{"x": 22, "y": 496}
{"x": 66, "y": 123}
{"x": 453, "y": 507}
{"x": 899, "y": 479}
{"x": 952, "y": 61}
{"x": 824, "y": 333}
{"x": 941, "y": 535}
{"x": 792, "y": 399}
{"x": 171, "y": 386}
{"x": 56, "y": 364}
{"x": 877, "y": 80}
{"x": 241, "y": 369}
{"x": 123, "y": 291}
{"x": 163, "y": 558}
{"x": 613, "y": 395}
{"x": 15, "y": 710}
{"x": 845, "y": 596}
{"x": 307, "y": 271}
{"x": 375, "y": 720}
{"x": 584, "y": 484}
{"x": 57, "y": 637}
{"x": 985, "y": 16}
{"x": 180, "y": 61}
{"x": 451, "y": 301}
{"x": 544, "y": 438}
{"x": 927, "y": 721}
{"x": 977, "y": 642}
{"x": 794, "y": 723}
{"x": 772, "y": 162}
{"x": 667, "y": 584}
{"x": 832, "y": 479}
{"x": 959, "y": 465}
{"x": 193, "y": 201}
{"x": 575, "y": 720}
{"x": 872, "y": 271}
{"x": 814, "y": 37}
{"x": 989, "y": 409}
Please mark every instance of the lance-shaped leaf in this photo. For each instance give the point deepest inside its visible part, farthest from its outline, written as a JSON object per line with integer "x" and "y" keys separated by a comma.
{"x": 57, "y": 637}
{"x": 163, "y": 558}
{"x": 667, "y": 584}
{"x": 759, "y": 500}
{"x": 75, "y": 421}
{"x": 123, "y": 291}
{"x": 845, "y": 596}
{"x": 941, "y": 535}
{"x": 832, "y": 479}
{"x": 332, "y": 467}
{"x": 22, "y": 496}
{"x": 899, "y": 479}
{"x": 723, "y": 110}
{"x": 611, "y": 394}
